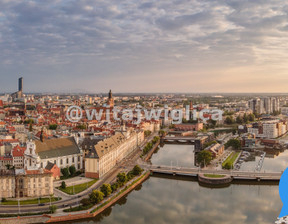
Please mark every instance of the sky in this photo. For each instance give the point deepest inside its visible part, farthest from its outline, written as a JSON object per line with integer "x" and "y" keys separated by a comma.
{"x": 144, "y": 46}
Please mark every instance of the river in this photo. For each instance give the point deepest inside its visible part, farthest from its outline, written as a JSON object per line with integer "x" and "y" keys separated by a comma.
{"x": 163, "y": 200}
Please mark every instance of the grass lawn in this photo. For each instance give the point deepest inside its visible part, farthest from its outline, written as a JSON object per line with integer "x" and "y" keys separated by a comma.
{"x": 214, "y": 175}
{"x": 231, "y": 159}
{"x": 30, "y": 201}
{"x": 78, "y": 188}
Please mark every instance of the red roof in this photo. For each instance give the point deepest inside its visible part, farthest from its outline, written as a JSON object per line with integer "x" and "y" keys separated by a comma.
{"x": 18, "y": 151}
{"x": 6, "y": 158}
{"x": 1, "y": 103}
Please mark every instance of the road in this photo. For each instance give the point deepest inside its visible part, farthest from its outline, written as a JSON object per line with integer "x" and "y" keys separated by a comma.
{"x": 124, "y": 166}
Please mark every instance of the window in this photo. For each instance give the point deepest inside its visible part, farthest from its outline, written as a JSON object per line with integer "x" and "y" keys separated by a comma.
{"x": 67, "y": 160}
{"x": 73, "y": 160}
{"x": 61, "y": 162}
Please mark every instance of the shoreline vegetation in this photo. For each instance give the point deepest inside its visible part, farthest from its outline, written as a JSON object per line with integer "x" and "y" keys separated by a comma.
{"x": 104, "y": 192}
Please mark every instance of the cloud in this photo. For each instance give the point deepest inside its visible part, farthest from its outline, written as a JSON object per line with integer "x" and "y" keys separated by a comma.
{"x": 40, "y": 38}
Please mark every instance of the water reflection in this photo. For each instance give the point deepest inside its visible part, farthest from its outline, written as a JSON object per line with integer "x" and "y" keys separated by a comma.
{"x": 163, "y": 200}
{"x": 275, "y": 161}
{"x": 179, "y": 155}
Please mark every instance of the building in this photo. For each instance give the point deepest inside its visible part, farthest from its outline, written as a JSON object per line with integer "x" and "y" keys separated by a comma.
{"x": 64, "y": 152}
{"x": 109, "y": 152}
{"x": 54, "y": 169}
{"x": 110, "y": 101}
{"x": 18, "y": 157}
{"x": 189, "y": 127}
{"x": 216, "y": 149}
{"x": 7, "y": 184}
{"x": 33, "y": 183}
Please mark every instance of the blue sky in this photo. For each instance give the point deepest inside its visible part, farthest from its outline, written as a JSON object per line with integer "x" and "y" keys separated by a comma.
{"x": 144, "y": 46}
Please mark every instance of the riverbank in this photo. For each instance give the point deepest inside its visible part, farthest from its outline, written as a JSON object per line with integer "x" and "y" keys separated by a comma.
{"x": 150, "y": 153}
{"x": 96, "y": 210}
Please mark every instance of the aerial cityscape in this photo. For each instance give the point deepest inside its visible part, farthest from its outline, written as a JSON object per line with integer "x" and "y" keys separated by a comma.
{"x": 143, "y": 112}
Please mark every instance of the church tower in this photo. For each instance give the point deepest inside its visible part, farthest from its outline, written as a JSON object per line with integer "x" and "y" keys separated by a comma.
{"x": 110, "y": 101}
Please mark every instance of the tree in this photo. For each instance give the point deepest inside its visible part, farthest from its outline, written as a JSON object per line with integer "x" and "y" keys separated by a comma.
{"x": 234, "y": 143}
{"x": 8, "y": 166}
{"x": 239, "y": 120}
{"x": 106, "y": 189}
{"x": 96, "y": 196}
{"x": 81, "y": 126}
{"x": 53, "y": 126}
{"x": 211, "y": 123}
{"x": 229, "y": 120}
{"x": 147, "y": 133}
{"x": 204, "y": 157}
{"x": 63, "y": 185}
{"x": 137, "y": 170}
{"x": 245, "y": 118}
{"x": 30, "y": 127}
{"x": 162, "y": 133}
{"x": 114, "y": 186}
{"x": 53, "y": 209}
{"x": 72, "y": 170}
{"x": 121, "y": 179}
{"x": 65, "y": 172}
{"x": 85, "y": 202}
{"x": 251, "y": 117}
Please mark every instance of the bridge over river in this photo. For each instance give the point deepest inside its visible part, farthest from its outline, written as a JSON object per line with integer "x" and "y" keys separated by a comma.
{"x": 236, "y": 175}
{"x": 197, "y": 141}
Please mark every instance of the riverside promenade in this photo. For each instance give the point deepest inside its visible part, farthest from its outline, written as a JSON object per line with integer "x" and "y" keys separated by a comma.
{"x": 61, "y": 216}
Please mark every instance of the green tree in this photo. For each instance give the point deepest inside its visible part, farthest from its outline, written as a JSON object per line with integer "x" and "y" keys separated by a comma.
{"x": 122, "y": 178}
{"x": 239, "y": 120}
{"x": 29, "y": 121}
{"x": 137, "y": 170}
{"x": 85, "y": 202}
{"x": 30, "y": 127}
{"x": 147, "y": 133}
{"x": 211, "y": 123}
{"x": 114, "y": 186}
{"x": 251, "y": 117}
{"x": 65, "y": 172}
{"x": 234, "y": 143}
{"x": 96, "y": 196}
{"x": 81, "y": 127}
{"x": 8, "y": 166}
{"x": 53, "y": 209}
{"x": 229, "y": 120}
{"x": 204, "y": 157}
{"x": 106, "y": 189}
{"x": 53, "y": 126}
{"x": 162, "y": 133}
{"x": 72, "y": 170}
{"x": 63, "y": 185}
{"x": 245, "y": 118}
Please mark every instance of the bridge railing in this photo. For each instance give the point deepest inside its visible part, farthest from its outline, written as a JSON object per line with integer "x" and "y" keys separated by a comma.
{"x": 207, "y": 171}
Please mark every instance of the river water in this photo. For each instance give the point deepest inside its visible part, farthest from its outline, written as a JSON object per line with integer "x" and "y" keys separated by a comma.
{"x": 163, "y": 200}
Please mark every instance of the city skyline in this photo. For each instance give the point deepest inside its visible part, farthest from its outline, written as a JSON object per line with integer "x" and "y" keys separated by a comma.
{"x": 145, "y": 46}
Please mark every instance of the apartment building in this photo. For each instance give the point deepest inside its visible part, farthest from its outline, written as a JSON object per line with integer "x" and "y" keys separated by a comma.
{"x": 109, "y": 152}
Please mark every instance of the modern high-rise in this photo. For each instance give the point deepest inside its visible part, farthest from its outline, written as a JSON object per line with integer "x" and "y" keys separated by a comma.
{"x": 20, "y": 84}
